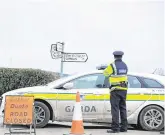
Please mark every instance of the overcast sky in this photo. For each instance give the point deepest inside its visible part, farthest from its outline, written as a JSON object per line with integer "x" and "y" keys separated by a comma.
{"x": 96, "y": 27}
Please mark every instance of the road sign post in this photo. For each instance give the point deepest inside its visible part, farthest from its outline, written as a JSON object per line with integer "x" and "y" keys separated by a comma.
{"x": 57, "y": 52}
{"x": 60, "y": 48}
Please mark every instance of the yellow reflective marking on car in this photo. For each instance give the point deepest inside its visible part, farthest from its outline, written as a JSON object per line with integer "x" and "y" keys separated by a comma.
{"x": 72, "y": 96}
{"x": 42, "y": 95}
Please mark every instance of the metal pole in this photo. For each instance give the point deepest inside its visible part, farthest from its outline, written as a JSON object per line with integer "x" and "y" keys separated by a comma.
{"x": 62, "y": 60}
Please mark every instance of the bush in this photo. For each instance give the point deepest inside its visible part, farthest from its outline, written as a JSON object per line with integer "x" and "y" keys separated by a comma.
{"x": 14, "y": 78}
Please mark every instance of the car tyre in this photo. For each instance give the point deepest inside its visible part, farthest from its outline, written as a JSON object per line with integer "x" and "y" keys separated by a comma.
{"x": 45, "y": 112}
{"x": 144, "y": 118}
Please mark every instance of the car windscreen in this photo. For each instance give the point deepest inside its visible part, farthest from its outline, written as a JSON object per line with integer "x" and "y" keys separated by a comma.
{"x": 60, "y": 80}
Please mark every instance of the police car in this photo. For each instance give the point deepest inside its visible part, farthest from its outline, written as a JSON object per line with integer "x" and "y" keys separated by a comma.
{"x": 55, "y": 101}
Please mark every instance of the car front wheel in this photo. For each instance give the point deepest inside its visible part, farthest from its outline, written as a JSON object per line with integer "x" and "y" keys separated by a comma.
{"x": 42, "y": 114}
{"x": 152, "y": 118}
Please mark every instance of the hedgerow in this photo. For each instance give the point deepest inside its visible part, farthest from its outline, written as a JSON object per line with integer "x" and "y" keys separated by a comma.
{"x": 15, "y": 78}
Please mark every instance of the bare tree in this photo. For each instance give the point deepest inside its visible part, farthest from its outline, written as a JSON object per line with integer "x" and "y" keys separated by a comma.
{"x": 159, "y": 71}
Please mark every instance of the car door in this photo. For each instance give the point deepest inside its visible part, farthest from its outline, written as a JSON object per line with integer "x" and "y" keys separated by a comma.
{"x": 135, "y": 98}
{"x": 92, "y": 100}
{"x": 153, "y": 86}
{"x": 135, "y": 94}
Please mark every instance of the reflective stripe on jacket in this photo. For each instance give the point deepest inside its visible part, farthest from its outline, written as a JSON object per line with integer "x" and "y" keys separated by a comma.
{"x": 117, "y": 73}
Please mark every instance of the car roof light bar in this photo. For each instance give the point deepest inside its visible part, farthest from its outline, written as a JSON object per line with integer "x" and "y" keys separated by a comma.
{"x": 101, "y": 67}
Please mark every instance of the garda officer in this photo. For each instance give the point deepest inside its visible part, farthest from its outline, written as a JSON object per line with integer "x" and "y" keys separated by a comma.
{"x": 117, "y": 74}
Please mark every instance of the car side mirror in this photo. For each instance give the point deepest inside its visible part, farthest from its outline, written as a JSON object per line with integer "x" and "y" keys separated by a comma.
{"x": 68, "y": 86}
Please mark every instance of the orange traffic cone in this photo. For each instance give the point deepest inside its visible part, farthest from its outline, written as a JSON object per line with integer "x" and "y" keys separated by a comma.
{"x": 77, "y": 121}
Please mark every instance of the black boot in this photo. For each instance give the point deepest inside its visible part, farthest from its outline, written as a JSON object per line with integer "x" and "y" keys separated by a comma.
{"x": 122, "y": 130}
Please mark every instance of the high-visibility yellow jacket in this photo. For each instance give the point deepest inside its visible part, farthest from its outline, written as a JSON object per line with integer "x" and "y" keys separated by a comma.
{"x": 117, "y": 73}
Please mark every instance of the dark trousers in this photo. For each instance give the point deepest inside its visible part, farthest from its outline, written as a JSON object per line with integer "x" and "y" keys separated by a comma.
{"x": 118, "y": 106}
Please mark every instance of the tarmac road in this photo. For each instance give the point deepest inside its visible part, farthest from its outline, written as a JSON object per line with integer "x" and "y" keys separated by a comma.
{"x": 54, "y": 129}
{"x": 57, "y": 129}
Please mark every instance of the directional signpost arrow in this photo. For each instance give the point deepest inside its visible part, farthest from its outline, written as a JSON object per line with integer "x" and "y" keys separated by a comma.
{"x": 59, "y": 46}
{"x": 75, "y": 57}
{"x": 57, "y": 51}
{"x": 55, "y": 54}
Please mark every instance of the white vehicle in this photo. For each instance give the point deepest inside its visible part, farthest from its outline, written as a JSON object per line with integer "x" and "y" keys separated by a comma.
{"x": 55, "y": 101}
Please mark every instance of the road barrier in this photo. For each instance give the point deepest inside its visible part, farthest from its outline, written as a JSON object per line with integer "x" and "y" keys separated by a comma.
{"x": 19, "y": 110}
